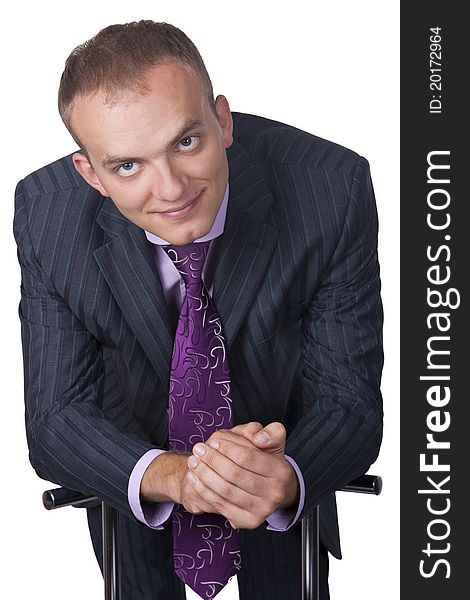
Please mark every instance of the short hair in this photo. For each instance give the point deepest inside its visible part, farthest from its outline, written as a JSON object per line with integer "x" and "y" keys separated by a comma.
{"x": 117, "y": 59}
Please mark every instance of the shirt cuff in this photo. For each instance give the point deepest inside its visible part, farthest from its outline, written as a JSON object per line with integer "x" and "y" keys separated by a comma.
{"x": 283, "y": 519}
{"x": 152, "y": 514}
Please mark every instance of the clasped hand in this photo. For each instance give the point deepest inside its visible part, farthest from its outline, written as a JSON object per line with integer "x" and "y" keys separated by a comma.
{"x": 239, "y": 476}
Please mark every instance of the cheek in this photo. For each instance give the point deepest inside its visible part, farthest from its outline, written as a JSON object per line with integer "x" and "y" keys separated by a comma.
{"x": 129, "y": 197}
{"x": 212, "y": 164}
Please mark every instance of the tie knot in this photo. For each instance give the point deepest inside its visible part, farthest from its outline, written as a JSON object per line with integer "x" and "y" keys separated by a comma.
{"x": 189, "y": 260}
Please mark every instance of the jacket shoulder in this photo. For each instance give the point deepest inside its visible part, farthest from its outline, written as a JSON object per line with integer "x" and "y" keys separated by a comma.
{"x": 274, "y": 143}
{"x": 52, "y": 202}
{"x": 58, "y": 176}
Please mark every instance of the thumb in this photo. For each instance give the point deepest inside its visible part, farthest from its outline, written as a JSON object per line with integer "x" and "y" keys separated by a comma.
{"x": 272, "y": 438}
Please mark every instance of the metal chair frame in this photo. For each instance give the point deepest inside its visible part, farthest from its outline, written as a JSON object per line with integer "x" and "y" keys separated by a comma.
{"x": 60, "y": 497}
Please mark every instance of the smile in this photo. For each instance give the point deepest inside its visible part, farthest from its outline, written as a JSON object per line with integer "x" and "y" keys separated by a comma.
{"x": 181, "y": 212}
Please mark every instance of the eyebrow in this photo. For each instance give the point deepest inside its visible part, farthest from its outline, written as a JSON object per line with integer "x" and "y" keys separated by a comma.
{"x": 109, "y": 160}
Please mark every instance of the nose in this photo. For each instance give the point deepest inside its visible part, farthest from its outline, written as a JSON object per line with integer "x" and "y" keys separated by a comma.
{"x": 169, "y": 182}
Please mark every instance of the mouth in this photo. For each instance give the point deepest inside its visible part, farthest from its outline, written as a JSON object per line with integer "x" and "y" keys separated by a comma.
{"x": 183, "y": 211}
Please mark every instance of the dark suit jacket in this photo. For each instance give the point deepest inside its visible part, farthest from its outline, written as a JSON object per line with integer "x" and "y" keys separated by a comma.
{"x": 297, "y": 289}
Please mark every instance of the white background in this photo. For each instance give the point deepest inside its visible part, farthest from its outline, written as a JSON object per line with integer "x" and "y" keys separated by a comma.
{"x": 328, "y": 68}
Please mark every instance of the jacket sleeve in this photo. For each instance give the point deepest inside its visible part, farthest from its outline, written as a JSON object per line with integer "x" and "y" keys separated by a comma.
{"x": 71, "y": 441}
{"x": 339, "y": 435}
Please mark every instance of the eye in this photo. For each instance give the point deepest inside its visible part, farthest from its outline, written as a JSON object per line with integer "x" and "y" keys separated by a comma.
{"x": 188, "y": 143}
{"x": 127, "y": 169}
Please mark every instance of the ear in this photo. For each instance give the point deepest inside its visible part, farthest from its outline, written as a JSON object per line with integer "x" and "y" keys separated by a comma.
{"x": 84, "y": 167}
{"x": 225, "y": 119}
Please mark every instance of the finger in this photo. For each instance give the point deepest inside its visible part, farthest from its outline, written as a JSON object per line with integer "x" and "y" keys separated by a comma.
{"x": 247, "y": 428}
{"x": 242, "y": 430}
{"x": 191, "y": 500}
{"x": 228, "y": 434}
{"x": 233, "y": 461}
{"x": 240, "y": 508}
{"x": 222, "y": 496}
{"x": 275, "y": 431}
{"x": 272, "y": 436}
{"x": 236, "y": 516}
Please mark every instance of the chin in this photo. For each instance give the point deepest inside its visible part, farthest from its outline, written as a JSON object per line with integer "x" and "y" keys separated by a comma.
{"x": 189, "y": 235}
{"x": 182, "y": 238}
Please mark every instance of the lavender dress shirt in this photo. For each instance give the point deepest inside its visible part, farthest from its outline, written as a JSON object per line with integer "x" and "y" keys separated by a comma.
{"x": 154, "y": 514}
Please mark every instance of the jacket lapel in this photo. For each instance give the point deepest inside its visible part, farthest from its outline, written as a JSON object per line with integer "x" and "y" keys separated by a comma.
{"x": 127, "y": 263}
{"x": 247, "y": 244}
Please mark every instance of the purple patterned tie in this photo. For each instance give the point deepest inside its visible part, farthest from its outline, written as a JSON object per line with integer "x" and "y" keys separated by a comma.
{"x": 206, "y": 549}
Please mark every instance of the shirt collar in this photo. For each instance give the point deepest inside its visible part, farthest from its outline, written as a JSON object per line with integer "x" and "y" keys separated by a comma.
{"x": 216, "y": 229}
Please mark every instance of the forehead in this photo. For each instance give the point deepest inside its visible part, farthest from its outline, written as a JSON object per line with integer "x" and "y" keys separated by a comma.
{"x": 172, "y": 95}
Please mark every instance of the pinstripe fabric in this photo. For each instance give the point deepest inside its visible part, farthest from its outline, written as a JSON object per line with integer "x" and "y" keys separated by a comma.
{"x": 297, "y": 289}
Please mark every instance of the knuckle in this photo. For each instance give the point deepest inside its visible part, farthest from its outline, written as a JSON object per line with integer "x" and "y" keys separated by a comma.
{"x": 236, "y": 475}
{"x": 227, "y": 491}
{"x": 218, "y": 507}
{"x": 194, "y": 503}
{"x": 276, "y": 499}
{"x": 265, "y": 509}
{"x": 211, "y": 458}
{"x": 246, "y": 458}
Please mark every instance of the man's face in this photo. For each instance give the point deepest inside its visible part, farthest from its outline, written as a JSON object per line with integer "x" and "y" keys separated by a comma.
{"x": 159, "y": 156}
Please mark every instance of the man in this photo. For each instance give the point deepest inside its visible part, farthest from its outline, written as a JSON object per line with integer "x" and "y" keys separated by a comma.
{"x": 288, "y": 226}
